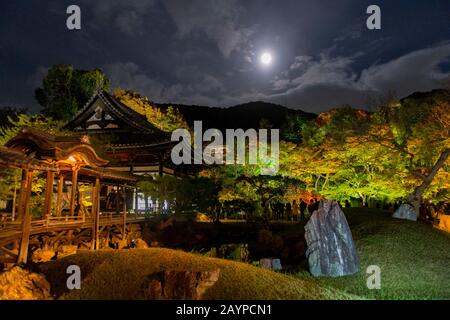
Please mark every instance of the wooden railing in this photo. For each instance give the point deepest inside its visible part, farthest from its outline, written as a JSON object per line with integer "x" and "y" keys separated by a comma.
{"x": 109, "y": 216}
{"x": 11, "y": 226}
{"x": 52, "y": 221}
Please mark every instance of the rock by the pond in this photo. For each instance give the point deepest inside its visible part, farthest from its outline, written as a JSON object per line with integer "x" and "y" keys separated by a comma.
{"x": 66, "y": 250}
{"x": 234, "y": 251}
{"x": 19, "y": 284}
{"x": 42, "y": 255}
{"x": 140, "y": 244}
{"x": 181, "y": 285}
{"x": 266, "y": 263}
{"x": 122, "y": 243}
{"x": 331, "y": 250}
{"x": 276, "y": 265}
{"x": 406, "y": 212}
{"x": 155, "y": 244}
{"x": 270, "y": 264}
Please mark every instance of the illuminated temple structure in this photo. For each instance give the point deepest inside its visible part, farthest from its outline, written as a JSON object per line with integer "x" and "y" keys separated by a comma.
{"x": 134, "y": 145}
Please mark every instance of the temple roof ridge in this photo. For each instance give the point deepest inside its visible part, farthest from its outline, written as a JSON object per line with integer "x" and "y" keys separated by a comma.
{"x": 125, "y": 113}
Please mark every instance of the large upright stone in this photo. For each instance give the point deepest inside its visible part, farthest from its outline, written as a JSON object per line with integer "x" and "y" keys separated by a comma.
{"x": 331, "y": 251}
{"x": 406, "y": 212}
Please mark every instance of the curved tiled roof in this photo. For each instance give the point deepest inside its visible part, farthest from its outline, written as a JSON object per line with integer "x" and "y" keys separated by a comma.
{"x": 137, "y": 123}
{"x": 48, "y": 146}
{"x": 16, "y": 159}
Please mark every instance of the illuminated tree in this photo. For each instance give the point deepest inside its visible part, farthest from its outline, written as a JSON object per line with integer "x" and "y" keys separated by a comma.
{"x": 421, "y": 129}
{"x": 160, "y": 187}
{"x": 65, "y": 90}
{"x": 399, "y": 152}
{"x": 39, "y": 122}
{"x": 245, "y": 184}
{"x": 166, "y": 120}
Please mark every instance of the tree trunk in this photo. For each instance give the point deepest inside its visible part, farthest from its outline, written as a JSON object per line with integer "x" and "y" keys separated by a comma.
{"x": 415, "y": 198}
{"x": 362, "y": 199}
{"x": 146, "y": 204}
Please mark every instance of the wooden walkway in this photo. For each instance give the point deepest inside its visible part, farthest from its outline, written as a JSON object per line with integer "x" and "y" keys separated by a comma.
{"x": 12, "y": 231}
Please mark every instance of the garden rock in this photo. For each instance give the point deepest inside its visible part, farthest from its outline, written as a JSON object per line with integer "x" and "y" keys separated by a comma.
{"x": 181, "y": 285}
{"x": 330, "y": 247}
{"x": 406, "y": 212}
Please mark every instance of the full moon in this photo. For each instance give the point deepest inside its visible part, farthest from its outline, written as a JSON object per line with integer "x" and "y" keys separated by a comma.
{"x": 266, "y": 58}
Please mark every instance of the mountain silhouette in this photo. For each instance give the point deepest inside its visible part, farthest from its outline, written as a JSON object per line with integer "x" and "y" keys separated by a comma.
{"x": 254, "y": 114}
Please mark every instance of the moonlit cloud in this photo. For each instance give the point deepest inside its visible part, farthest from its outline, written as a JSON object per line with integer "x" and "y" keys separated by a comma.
{"x": 219, "y": 20}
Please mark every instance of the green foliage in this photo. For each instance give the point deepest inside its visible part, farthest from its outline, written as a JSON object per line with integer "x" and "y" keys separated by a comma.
{"x": 312, "y": 134}
{"x": 187, "y": 193}
{"x": 245, "y": 186}
{"x": 10, "y": 182}
{"x": 294, "y": 127}
{"x": 197, "y": 193}
{"x": 7, "y": 113}
{"x": 39, "y": 122}
{"x": 165, "y": 120}
{"x": 347, "y": 153}
{"x": 65, "y": 90}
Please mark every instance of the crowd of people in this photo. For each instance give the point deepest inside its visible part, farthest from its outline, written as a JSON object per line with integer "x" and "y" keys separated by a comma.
{"x": 297, "y": 211}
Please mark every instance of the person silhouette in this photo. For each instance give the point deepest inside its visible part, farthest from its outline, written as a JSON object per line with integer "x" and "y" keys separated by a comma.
{"x": 294, "y": 210}
{"x": 288, "y": 211}
{"x": 303, "y": 207}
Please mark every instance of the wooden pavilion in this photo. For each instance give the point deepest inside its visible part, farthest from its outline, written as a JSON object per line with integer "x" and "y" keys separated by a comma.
{"x": 61, "y": 159}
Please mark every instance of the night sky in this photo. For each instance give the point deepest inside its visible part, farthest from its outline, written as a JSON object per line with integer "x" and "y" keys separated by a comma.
{"x": 208, "y": 52}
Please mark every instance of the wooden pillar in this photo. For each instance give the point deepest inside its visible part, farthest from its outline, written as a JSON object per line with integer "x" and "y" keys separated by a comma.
{"x": 59, "y": 196}
{"x": 74, "y": 191}
{"x": 96, "y": 214}
{"x": 13, "y": 211}
{"x": 136, "y": 200}
{"x": 124, "y": 212}
{"x": 118, "y": 194}
{"x": 26, "y": 221}
{"x": 161, "y": 171}
{"x": 23, "y": 187}
{"x": 48, "y": 194}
